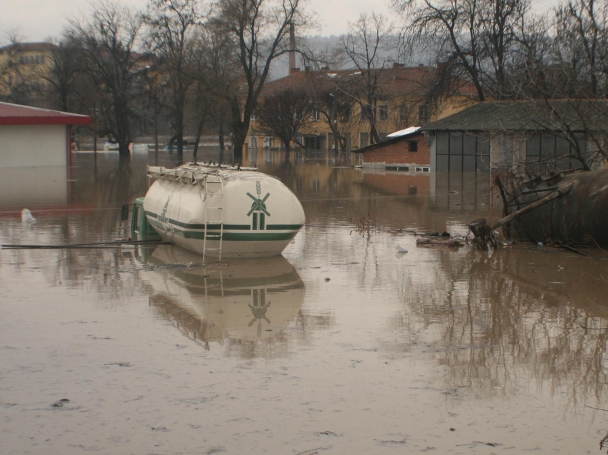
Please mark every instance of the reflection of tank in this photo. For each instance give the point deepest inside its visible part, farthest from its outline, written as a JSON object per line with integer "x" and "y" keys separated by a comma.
{"x": 246, "y": 300}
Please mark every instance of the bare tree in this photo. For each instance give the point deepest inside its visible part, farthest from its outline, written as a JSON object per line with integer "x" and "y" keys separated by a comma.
{"x": 64, "y": 79}
{"x": 474, "y": 40}
{"x": 567, "y": 59}
{"x": 172, "y": 30}
{"x": 107, "y": 41}
{"x": 258, "y": 30}
{"x": 220, "y": 77}
{"x": 581, "y": 47}
{"x": 335, "y": 106}
{"x": 366, "y": 47}
{"x": 285, "y": 113}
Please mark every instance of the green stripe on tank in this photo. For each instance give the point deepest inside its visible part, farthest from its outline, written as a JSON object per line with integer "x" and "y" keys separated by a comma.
{"x": 238, "y": 237}
{"x": 282, "y": 227}
{"x": 229, "y": 227}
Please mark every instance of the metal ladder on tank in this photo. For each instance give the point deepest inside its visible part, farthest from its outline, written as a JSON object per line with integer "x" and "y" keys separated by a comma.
{"x": 214, "y": 211}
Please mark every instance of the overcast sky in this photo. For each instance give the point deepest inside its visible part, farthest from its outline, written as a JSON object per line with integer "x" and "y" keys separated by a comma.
{"x": 37, "y": 20}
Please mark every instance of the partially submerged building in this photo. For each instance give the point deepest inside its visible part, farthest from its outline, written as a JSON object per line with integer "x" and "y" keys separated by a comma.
{"x": 535, "y": 135}
{"x": 35, "y": 154}
{"x": 404, "y": 150}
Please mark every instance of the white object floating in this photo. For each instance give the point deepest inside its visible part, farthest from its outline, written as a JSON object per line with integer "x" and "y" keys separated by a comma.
{"x": 400, "y": 249}
{"x": 26, "y": 216}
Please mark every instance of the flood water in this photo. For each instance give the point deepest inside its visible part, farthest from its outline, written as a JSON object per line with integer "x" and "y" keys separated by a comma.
{"x": 341, "y": 346}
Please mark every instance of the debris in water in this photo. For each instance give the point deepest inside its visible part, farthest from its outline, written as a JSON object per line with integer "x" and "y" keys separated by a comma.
{"x": 390, "y": 441}
{"x": 60, "y": 403}
{"x": 327, "y": 279}
{"x": 435, "y": 242}
{"x": 400, "y": 249}
{"x": 26, "y": 216}
{"x": 604, "y": 442}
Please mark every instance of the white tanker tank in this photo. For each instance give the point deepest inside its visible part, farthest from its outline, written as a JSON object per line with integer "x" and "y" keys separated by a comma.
{"x": 222, "y": 211}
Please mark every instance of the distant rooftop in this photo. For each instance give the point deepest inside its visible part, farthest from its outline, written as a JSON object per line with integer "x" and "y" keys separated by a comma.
{"x": 405, "y": 132}
{"x": 527, "y": 115}
{"x": 15, "y": 114}
{"x": 391, "y": 139}
{"x": 29, "y": 47}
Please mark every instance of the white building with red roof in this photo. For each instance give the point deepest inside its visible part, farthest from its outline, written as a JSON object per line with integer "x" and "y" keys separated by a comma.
{"x": 35, "y": 156}
{"x": 35, "y": 137}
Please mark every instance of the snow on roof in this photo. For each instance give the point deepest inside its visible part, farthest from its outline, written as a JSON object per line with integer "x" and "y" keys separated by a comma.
{"x": 405, "y": 132}
{"x": 16, "y": 114}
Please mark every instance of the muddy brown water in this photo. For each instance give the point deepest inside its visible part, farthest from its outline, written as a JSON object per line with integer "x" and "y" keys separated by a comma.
{"x": 341, "y": 346}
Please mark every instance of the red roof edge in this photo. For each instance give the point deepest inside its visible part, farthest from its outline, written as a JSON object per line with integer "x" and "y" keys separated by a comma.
{"x": 15, "y": 114}
{"x": 64, "y": 120}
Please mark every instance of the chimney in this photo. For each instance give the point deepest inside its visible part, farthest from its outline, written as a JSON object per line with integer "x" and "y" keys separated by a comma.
{"x": 292, "y": 49}
{"x": 398, "y": 65}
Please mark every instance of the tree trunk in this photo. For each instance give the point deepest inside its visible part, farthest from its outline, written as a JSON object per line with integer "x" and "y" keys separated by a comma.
{"x": 239, "y": 134}
{"x": 199, "y": 132}
{"x": 221, "y": 140}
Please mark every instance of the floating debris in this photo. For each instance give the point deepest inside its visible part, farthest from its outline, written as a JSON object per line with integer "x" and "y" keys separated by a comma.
{"x": 400, "y": 249}
{"x": 27, "y": 217}
{"x": 60, "y": 403}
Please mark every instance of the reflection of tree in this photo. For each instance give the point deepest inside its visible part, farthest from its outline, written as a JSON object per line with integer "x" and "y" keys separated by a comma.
{"x": 501, "y": 325}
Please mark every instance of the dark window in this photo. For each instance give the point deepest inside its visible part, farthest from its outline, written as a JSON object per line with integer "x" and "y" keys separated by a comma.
{"x": 443, "y": 143}
{"x": 457, "y": 151}
{"x": 404, "y": 112}
{"x": 413, "y": 146}
{"x": 456, "y": 143}
{"x": 363, "y": 139}
{"x": 366, "y": 113}
{"x": 383, "y": 112}
{"x": 469, "y": 146}
{"x": 423, "y": 113}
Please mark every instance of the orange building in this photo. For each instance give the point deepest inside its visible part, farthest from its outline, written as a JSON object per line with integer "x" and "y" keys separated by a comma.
{"x": 400, "y": 101}
{"x": 23, "y": 67}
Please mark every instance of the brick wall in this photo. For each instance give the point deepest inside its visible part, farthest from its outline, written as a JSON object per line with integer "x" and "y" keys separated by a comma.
{"x": 399, "y": 152}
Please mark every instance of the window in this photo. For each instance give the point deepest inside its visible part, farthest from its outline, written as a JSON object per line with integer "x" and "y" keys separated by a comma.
{"x": 404, "y": 112}
{"x": 366, "y": 112}
{"x": 423, "y": 113}
{"x": 457, "y": 151}
{"x": 397, "y": 168}
{"x": 254, "y": 115}
{"x": 383, "y": 112}
{"x": 315, "y": 114}
{"x": 363, "y": 140}
{"x": 413, "y": 146}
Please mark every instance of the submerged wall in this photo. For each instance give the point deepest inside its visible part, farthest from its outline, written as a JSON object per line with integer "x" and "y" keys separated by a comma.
{"x": 33, "y": 145}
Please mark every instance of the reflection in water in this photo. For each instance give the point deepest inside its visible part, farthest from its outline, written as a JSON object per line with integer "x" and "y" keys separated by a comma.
{"x": 511, "y": 320}
{"x": 33, "y": 187}
{"x": 244, "y": 301}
